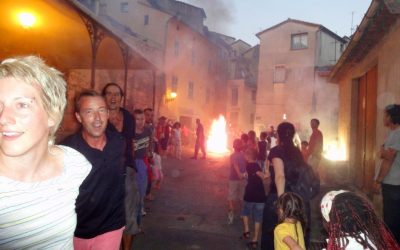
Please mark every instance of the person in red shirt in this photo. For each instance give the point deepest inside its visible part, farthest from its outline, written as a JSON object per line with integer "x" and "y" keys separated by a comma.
{"x": 315, "y": 146}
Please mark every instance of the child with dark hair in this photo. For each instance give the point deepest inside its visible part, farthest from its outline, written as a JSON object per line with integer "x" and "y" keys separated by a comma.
{"x": 254, "y": 197}
{"x": 157, "y": 166}
{"x": 353, "y": 224}
{"x": 288, "y": 234}
{"x": 252, "y": 142}
{"x": 262, "y": 150}
{"x": 245, "y": 139}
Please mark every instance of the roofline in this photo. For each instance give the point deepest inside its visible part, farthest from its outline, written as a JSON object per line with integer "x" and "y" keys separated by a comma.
{"x": 174, "y": 14}
{"x": 240, "y": 40}
{"x": 192, "y": 6}
{"x": 320, "y": 26}
{"x": 88, "y": 13}
{"x": 255, "y": 46}
{"x": 217, "y": 33}
{"x": 355, "y": 39}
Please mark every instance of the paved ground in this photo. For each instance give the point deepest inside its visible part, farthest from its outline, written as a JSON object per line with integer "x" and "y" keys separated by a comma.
{"x": 189, "y": 212}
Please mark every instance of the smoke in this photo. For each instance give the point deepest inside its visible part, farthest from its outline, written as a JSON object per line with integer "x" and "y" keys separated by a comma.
{"x": 219, "y": 13}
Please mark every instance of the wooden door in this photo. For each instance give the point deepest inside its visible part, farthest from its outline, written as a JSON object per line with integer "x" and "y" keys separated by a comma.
{"x": 366, "y": 130}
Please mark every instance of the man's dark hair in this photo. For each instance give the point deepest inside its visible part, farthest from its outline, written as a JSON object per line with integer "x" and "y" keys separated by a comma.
{"x": 84, "y": 93}
{"x": 315, "y": 120}
{"x": 104, "y": 91}
{"x": 138, "y": 112}
{"x": 393, "y": 111}
{"x": 263, "y": 135}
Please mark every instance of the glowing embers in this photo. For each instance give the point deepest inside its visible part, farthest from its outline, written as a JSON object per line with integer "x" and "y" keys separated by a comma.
{"x": 218, "y": 138}
{"x": 335, "y": 151}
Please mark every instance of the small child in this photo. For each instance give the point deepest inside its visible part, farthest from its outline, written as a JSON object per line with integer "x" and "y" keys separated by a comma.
{"x": 157, "y": 167}
{"x": 176, "y": 140}
{"x": 262, "y": 150}
{"x": 304, "y": 148}
{"x": 254, "y": 197}
{"x": 291, "y": 216}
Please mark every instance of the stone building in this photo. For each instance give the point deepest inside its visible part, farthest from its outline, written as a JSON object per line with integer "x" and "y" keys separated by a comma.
{"x": 87, "y": 50}
{"x": 368, "y": 76}
{"x": 294, "y": 65}
{"x": 194, "y": 60}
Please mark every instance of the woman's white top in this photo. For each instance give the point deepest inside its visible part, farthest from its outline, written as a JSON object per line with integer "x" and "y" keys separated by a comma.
{"x": 41, "y": 215}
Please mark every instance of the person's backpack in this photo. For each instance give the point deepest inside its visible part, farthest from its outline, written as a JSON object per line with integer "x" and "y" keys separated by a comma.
{"x": 307, "y": 184}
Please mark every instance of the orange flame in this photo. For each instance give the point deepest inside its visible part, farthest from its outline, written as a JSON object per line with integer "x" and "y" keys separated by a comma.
{"x": 335, "y": 151}
{"x": 218, "y": 138}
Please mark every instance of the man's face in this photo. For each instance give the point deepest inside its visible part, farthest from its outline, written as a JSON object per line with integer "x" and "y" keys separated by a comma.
{"x": 149, "y": 115}
{"x": 139, "y": 118}
{"x": 113, "y": 97}
{"x": 387, "y": 121}
{"x": 93, "y": 115}
{"x": 313, "y": 124}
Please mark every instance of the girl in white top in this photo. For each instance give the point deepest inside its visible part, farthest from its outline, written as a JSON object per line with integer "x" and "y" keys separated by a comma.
{"x": 176, "y": 140}
{"x": 39, "y": 182}
{"x": 352, "y": 223}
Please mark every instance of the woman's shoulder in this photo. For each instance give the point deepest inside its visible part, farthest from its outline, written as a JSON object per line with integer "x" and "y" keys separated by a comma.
{"x": 276, "y": 152}
{"x": 74, "y": 162}
{"x": 284, "y": 227}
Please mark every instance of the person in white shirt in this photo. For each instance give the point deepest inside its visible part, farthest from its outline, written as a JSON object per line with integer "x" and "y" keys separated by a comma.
{"x": 39, "y": 181}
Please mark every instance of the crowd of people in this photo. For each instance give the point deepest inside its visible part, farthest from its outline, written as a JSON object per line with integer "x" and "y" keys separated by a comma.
{"x": 89, "y": 191}
{"x": 263, "y": 184}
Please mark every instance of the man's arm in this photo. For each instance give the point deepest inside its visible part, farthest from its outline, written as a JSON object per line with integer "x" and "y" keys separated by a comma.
{"x": 387, "y": 156}
{"x": 237, "y": 170}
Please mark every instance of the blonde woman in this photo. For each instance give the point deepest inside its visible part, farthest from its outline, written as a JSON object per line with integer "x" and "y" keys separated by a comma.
{"x": 39, "y": 181}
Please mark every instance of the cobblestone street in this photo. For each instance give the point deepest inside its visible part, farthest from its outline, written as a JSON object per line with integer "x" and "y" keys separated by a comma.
{"x": 190, "y": 211}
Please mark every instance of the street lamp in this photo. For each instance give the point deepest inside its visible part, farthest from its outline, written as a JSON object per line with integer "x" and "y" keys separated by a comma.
{"x": 27, "y": 20}
{"x": 170, "y": 97}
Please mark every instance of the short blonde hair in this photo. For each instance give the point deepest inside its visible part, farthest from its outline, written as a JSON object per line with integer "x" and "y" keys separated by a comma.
{"x": 33, "y": 70}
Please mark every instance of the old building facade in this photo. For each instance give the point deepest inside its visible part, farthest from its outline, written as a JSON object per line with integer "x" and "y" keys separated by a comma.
{"x": 368, "y": 76}
{"x": 295, "y": 59}
{"x": 194, "y": 60}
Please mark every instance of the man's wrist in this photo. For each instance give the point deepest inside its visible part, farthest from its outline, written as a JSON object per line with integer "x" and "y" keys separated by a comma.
{"x": 378, "y": 181}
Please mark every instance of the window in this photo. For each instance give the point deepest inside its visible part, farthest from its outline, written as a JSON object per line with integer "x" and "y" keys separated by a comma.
{"x": 103, "y": 9}
{"x": 341, "y": 47}
{"x": 146, "y": 19}
{"x": 234, "y": 119}
{"x": 279, "y": 74}
{"x": 124, "y": 7}
{"x": 253, "y": 95}
{"x": 176, "y": 48}
{"x": 251, "y": 118}
{"x": 174, "y": 84}
{"x": 190, "y": 90}
{"x": 193, "y": 57}
{"x": 299, "y": 41}
{"x": 235, "y": 97}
